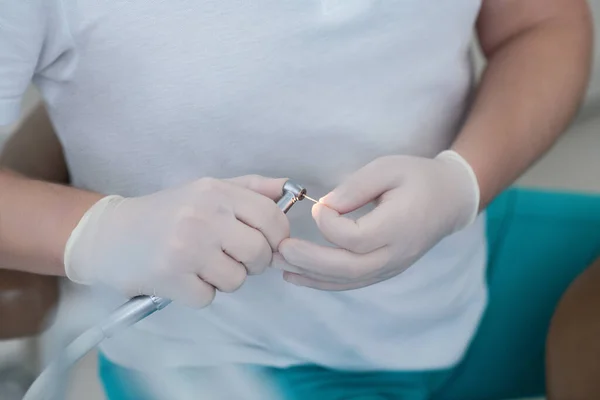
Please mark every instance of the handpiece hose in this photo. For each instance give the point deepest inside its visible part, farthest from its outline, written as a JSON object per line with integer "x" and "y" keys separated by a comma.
{"x": 130, "y": 313}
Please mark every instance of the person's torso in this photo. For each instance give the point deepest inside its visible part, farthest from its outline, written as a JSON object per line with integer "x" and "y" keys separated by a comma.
{"x": 153, "y": 94}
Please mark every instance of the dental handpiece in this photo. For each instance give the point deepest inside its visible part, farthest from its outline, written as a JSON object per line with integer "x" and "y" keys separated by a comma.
{"x": 128, "y": 314}
{"x": 141, "y": 307}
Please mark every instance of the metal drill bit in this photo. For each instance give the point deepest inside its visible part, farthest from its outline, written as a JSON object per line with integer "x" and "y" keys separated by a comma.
{"x": 311, "y": 199}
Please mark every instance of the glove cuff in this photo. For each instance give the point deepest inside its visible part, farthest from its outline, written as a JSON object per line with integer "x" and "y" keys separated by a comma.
{"x": 474, "y": 195}
{"x": 89, "y": 218}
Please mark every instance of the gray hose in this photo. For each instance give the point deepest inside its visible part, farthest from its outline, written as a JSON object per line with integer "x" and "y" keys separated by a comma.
{"x": 46, "y": 385}
{"x": 130, "y": 313}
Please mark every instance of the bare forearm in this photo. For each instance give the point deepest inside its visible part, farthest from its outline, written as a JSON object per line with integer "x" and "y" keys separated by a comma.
{"x": 36, "y": 219}
{"x": 528, "y": 95}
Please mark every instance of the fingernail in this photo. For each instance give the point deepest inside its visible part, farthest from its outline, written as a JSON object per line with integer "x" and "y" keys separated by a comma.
{"x": 289, "y": 278}
{"x": 277, "y": 261}
{"x": 275, "y": 265}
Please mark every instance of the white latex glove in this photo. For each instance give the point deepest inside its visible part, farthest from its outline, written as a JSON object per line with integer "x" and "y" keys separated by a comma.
{"x": 419, "y": 202}
{"x": 180, "y": 243}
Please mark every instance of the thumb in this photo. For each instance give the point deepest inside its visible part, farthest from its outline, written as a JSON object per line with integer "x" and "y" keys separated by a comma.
{"x": 362, "y": 187}
{"x": 269, "y": 187}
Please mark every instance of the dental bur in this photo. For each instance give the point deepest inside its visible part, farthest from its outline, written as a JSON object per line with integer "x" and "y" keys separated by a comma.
{"x": 130, "y": 313}
{"x": 311, "y": 199}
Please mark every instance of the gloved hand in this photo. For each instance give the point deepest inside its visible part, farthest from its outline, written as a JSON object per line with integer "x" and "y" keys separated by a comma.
{"x": 419, "y": 202}
{"x": 180, "y": 243}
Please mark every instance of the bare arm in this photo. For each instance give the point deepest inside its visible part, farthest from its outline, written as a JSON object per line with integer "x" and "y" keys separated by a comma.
{"x": 36, "y": 217}
{"x": 539, "y": 55}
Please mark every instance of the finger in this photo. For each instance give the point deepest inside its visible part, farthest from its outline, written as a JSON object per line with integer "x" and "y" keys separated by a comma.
{"x": 331, "y": 264}
{"x": 188, "y": 290}
{"x": 364, "y": 186}
{"x": 223, "y": 272}
{"x": 345, "y": 232}
{"x": 196, "y": 293}
{"x": 278, "y": 262}
{"x": 269, "y": 187}
{"x": 246, "y": 245}
{"x": 260, "y": 213}
{"x": 300, "y": 280}
{"x": 370, "y": 232}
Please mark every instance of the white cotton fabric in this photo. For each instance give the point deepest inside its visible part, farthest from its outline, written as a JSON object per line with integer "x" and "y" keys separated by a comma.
{"x": 147, "y": 95}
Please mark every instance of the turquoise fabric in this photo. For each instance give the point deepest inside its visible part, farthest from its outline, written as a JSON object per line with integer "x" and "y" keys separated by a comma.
{"x": 538, "y": 243}
{"x": 316, "y": 383}
{"x": 121, "y": 383}
{"x": 299, "y": 383}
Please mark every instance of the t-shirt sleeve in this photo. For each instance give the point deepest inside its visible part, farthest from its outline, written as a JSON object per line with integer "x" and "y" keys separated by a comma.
{"x": 22, "y": 31}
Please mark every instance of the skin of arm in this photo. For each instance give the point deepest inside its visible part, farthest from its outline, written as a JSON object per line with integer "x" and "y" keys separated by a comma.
{"x": 36, "y": 217}
{"x": 539, "y": 59}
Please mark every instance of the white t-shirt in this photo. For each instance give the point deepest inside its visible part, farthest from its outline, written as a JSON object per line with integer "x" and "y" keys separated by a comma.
{"x": 148, "y": 94}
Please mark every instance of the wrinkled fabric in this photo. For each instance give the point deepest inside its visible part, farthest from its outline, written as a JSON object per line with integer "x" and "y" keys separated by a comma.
{"x": 151, "y": 95}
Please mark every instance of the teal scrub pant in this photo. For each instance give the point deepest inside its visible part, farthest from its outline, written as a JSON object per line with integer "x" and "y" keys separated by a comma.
{"x": 297, "y": 383}
{"x": 538, "y": 243}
